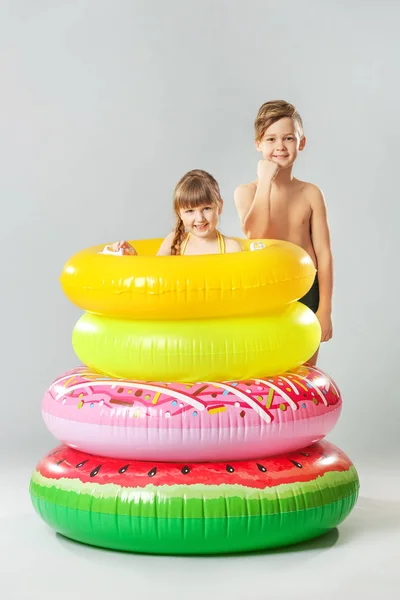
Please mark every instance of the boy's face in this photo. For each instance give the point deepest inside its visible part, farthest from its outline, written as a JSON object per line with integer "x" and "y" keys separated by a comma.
{"x": 281, "y": 143}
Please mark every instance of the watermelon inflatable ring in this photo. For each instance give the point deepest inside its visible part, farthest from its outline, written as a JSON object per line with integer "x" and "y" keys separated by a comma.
{"x": 198, "y": 508}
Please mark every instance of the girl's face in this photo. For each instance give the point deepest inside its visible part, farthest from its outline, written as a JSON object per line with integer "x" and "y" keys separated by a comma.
{"x": 281, "y": 143}
{"x": 201, "y": 221}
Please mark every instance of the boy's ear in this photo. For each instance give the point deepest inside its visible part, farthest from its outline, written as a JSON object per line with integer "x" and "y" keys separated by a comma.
{"x": 303, "y": 142}
{"x": 257, "y": 145}
{"x": 221, "y": 206}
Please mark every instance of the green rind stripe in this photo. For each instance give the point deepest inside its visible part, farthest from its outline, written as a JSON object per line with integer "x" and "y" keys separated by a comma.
{"x": 196, "y": 501}
{"x": 193, "y": 536}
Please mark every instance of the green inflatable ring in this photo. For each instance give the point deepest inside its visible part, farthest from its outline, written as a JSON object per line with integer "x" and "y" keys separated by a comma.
{"x": 198, "y": 508}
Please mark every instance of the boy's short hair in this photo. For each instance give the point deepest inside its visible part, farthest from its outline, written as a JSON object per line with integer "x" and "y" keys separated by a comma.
{"x": 273, "y": 111}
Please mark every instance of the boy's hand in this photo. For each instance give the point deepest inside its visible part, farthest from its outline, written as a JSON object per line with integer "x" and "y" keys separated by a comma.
{"x": 325, "y": 321}
{"x": 126, "y": 247}
{"x": 267, "y": 169}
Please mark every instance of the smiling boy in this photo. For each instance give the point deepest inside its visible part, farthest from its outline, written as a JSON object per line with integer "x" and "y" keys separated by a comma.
{"x": 278, "y": 206}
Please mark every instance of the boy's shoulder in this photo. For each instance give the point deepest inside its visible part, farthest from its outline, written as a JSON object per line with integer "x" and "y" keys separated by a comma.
{"x": 244, "y": 193}
{"x": 304, "y": 190}
{"x": 245, "y": 187}
{"x": 307, "y": 186}
{"x": 311, "y": 191}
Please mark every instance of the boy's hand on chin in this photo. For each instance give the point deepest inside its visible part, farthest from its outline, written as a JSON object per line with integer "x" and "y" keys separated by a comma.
{"x": 267, "y": 169}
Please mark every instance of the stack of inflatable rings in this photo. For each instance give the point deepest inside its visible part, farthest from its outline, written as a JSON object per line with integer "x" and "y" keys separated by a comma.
{"x": 194, "y": 425}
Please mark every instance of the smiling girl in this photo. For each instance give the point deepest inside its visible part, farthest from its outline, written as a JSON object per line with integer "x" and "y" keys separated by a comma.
{"x": 197, "y": 205}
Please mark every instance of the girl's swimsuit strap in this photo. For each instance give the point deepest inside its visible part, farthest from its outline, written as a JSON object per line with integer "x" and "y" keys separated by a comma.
{"x": 220, "y": 239}
{"x": 221, "y": 243}
{"x": 183, "y": 247}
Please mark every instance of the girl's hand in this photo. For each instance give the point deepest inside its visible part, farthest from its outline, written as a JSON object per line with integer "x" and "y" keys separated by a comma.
{"x": 267, "y": 169}
{"x": 126, "y": 248}
{"x": 325, "y": 321}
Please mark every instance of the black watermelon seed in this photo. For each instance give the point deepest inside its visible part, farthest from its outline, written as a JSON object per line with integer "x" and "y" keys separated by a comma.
{"x": 55, "y": 452}
{"x": 123, "y": 469}
{"x": 152, "y": 472}
{"x": 95, "y": 471}
{"x": 261, "y": 468}
{"x": 81, "y": 463}
{"x": 185, "y": 470}
{"x": 296, "y": 464}
{"x": 60, "y": 461}
{"x": 304, "y": 453}
{"x": 230, "y": 469}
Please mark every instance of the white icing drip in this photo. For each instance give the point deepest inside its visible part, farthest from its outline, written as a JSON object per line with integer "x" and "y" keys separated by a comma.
{"x": 294, "y": 388}
{"x": 322, "y": 375}
{"x": 320, "y": 394}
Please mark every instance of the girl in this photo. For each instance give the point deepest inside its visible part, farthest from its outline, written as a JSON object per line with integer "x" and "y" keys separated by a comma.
{"x": 198, "y": 205}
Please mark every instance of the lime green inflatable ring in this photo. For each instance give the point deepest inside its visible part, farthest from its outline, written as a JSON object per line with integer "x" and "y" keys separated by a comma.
{"x": 198, "y": 349}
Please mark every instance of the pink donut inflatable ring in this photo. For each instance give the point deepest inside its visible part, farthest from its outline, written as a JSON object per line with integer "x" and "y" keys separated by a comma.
{"x": 204, "y": 421}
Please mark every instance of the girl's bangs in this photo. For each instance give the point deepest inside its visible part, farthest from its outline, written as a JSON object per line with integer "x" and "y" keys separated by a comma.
{"x": 194, "y": 196}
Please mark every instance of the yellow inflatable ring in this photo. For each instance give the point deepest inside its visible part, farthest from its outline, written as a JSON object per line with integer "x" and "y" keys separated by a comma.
{"x": 198, "y": 350}
{"x": 187, "y": 287}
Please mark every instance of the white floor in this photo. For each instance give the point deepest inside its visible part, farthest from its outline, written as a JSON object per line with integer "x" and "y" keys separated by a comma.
{"x": 359, "y": 560}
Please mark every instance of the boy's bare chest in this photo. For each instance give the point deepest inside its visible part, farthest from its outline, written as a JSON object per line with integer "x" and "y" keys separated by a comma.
{"x": 290, "y": 219}
{"x": 290, "y": 215}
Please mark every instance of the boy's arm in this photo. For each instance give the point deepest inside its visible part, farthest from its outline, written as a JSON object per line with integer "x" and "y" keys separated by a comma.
{"x": 254, "y": 208}
{"x": 322, "y": 246}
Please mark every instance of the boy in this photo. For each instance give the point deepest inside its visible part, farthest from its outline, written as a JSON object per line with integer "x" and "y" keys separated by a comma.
{"x": 278, "y": 206}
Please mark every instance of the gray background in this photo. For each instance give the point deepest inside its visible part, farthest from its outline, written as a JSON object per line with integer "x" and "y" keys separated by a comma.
{"x": 105, "y": 104}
